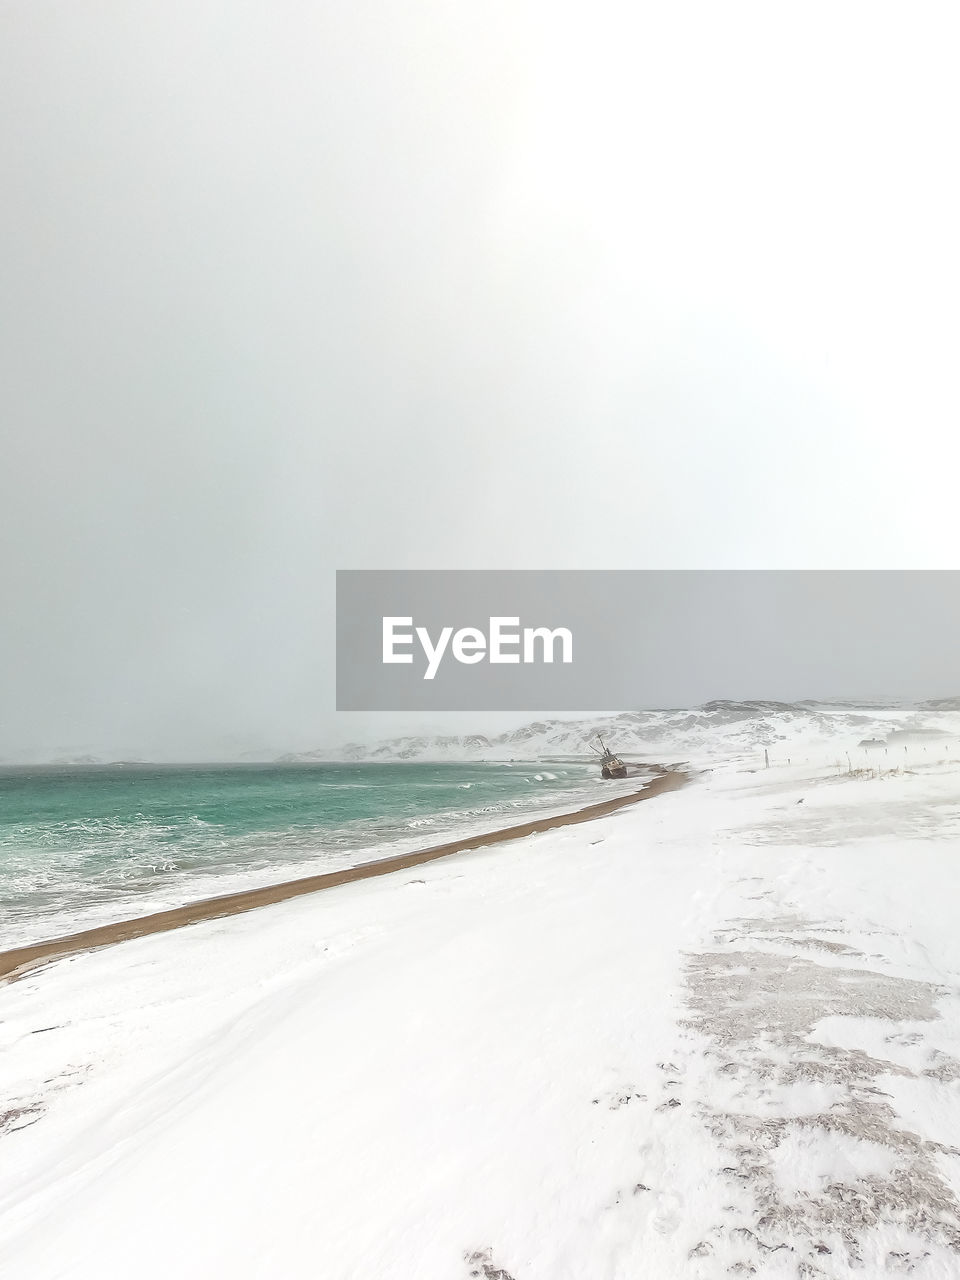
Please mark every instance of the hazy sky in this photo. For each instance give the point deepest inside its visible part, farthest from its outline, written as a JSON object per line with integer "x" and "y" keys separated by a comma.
{"x": 288, "y": 287}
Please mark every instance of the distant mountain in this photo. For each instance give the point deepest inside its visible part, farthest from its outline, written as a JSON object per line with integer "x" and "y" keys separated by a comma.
{"x": 716, "y": 728}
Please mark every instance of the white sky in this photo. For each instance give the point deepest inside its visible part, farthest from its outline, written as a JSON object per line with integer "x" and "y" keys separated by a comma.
{"x": 288, "y": 287}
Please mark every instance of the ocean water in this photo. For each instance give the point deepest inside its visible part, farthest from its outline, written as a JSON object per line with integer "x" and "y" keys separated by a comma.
{"x": 86, "y": 846}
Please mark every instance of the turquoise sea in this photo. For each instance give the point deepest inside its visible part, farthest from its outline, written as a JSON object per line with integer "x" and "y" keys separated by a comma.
{"x": 85, "y": 846}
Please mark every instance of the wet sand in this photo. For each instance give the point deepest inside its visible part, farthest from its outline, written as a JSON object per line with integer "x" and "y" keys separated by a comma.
{"x": 20, "y": 959}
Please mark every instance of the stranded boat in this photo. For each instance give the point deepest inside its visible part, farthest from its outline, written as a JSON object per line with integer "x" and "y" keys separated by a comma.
{"x": 611, "y": 766}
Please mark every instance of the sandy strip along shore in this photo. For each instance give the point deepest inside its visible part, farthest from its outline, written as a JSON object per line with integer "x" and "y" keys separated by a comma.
{"x": 20, "y": 959}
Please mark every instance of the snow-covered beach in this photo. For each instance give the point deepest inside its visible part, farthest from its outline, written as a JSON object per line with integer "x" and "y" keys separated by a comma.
{"x": 16, "y": 961}
{"x": 421, "y": 424}
{"x": 716, "y": 1034}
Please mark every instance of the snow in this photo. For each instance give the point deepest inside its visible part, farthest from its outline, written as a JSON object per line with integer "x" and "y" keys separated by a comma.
{"x": 714, "y": 1034}
{"x": 713, "y": 730}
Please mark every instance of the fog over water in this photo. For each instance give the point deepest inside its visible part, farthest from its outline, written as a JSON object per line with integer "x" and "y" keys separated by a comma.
{"x": 287, "y": 288}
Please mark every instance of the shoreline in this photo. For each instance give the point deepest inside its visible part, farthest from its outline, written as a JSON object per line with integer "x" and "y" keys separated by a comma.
{"x": 19, "y": 960}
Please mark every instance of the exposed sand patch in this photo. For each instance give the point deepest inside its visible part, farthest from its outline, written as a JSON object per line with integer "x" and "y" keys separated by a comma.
{"x": 818, "y": 1180}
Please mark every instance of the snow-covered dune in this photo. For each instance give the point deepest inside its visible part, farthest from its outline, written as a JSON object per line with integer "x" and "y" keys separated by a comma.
{"x": 716, "y": 1034}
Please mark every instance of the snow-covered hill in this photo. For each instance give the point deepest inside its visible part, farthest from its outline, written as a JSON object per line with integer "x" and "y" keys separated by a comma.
{"x": 715, "y": 729}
